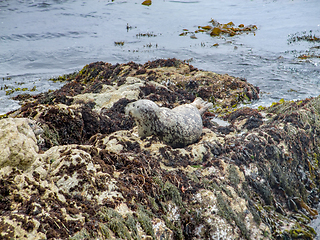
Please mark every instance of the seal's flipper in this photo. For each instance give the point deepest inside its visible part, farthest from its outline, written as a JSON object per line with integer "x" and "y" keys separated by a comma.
{"x": 202, "y": 105}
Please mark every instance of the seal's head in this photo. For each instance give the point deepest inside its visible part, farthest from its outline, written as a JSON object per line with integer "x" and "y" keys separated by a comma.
{"x": 135, "y": 109}
{"x": 145, "y": 114}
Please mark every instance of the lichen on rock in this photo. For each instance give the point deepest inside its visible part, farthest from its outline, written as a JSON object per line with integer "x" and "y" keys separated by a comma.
{"x": 18, "y": 142}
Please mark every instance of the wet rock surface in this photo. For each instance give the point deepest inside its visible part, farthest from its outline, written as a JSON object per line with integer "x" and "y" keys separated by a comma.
{"x": 86, "y": 174}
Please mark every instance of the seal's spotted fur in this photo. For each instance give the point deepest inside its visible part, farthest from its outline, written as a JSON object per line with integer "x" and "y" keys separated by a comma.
{"x": 177, "y": 127}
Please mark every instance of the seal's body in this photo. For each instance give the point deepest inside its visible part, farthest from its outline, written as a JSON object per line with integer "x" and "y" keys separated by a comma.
{"x": 177, "y": 127}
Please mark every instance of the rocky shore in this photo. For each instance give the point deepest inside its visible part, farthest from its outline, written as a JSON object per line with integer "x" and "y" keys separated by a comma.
{"x": 72, "y": 165}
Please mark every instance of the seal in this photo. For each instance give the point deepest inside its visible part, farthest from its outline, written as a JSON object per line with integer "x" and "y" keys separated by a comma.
{"x": 177, "y": 127}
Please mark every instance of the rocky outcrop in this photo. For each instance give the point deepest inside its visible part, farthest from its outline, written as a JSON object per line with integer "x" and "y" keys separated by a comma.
{"x": 86, "y": 174}
{"x": 18, "y": 142}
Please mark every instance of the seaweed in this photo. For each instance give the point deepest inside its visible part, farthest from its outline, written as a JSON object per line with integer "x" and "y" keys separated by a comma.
{"x": 145, "y": 223}
{"x": 114, "y": 222}
{"x": 297, "y": 37}
{"x": 278, "y": 157}
{"x": 218, "y": 29}
{"x": 226, "y": 212}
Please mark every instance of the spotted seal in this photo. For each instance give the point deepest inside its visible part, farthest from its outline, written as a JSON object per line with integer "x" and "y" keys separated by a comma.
{"x": 177, "y": 127}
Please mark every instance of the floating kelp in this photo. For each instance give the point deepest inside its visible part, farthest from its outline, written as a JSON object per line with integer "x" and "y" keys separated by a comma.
{"x": 149, "y": 45}
{"x": 311, "y": 38}
{"x": 121, "y": 43}
{"x": 147, "y": 2}
{"x": 63, "y": 78}
{"x": 146, "y": 35}
{"x": 9, "y": 90}
{"x": 306, "y": 56}
{"x": 217, "y": 29}
{"x": 297, "y": 37}
{"x": 6, "y": 78}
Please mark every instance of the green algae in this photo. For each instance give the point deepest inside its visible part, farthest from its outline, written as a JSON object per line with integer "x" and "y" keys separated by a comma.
{"x": 225, "y": 211}
{"x": 315, "y": 158}
{"x": 261, "y": 108}
{"x": 114, "y": 222}
{"x": 299, "y": 118}
{"x": 197, "y": 166}
{"x": 171, "y": 192}
{"x": 64, "y": 78}
{"x": 13, "y": 90}
{"x": 253, "y": 207}
{"x": 233, "y": 176}
{"x": 281, "y": 101}
{"x": 51, "y": 135}
{"x": 105, "y": 231}
{"x": 312, "y": 118}
{"x": 298, "y": 233}
{"x": 131, "y": 224}
{"x": 3, "y": 116}
{"x": 176, "y": 229}
{"x": 255, "y": 213}
{"x": 212, "y": 186}
{"x": 301, "y": 218}
{"x": 193, "y": 177}
{"x": 153, "y": 203}
{"x": 226, "y": 190}
{"x": 82, "y": 234}
{"x": 146, "y": 223}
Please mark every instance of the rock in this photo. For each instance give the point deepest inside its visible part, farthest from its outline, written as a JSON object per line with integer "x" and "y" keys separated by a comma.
{"x": 94, "y": 177}
{"x": 111, "y": 94}
{"x": 18, "y": 143}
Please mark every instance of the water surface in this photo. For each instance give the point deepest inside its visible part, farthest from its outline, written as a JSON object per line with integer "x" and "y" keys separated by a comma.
{"x": 44, "y": 39}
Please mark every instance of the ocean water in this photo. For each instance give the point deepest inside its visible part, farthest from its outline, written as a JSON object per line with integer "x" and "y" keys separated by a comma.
{"x": 44, "y": 39}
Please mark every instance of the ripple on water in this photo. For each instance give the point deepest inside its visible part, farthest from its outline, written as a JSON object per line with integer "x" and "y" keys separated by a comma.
{"x": 54, "y": 36}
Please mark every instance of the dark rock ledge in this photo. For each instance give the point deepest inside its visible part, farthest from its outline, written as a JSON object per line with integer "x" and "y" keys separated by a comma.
{"x": 73, "y": 167}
